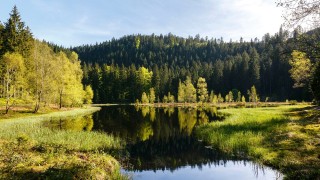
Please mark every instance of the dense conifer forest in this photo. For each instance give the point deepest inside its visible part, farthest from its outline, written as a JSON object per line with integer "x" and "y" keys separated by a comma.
{"x": 120, "y": 70}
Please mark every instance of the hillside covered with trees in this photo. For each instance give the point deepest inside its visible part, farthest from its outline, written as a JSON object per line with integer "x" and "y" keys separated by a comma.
{"x": 120, "y": 70}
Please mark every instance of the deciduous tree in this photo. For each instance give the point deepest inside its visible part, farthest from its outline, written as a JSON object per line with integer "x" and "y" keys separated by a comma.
{"x": 300, "y": 68}
{"x": 202, "y": 90}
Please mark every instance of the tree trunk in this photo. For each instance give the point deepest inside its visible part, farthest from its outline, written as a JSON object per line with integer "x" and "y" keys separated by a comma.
{"x": 60, "y": 103}
{"x": 7, "y": 106}
{"x": 37, "y": 107}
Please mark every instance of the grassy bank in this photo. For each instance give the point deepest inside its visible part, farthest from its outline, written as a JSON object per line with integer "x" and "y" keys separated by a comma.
{"x": 285, "y": 137}
{"x": 30, "y": 149}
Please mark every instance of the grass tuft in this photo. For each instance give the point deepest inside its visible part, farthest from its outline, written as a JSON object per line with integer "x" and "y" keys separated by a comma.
{"x": 285, "y": 137}
{"x": 30, "y": 148}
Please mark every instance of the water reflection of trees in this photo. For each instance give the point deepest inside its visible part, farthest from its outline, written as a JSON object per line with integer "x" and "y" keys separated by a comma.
{"x": 78, "y": 123}
{"x": 159, "y": 137}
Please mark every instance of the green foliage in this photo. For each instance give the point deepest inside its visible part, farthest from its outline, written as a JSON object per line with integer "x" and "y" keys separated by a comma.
{"x": 137, "y": 42}
{"x": 168, "y": 98}
{"x": 202, "y": 90}
{"x": 186, "y": 91}
{"x": 165, "y": 99}
{"x": 17, "y": 37}
{"x": 144, "y": 98}
{"x": 88, "y": 95}
{"x": 12, "y": 77}
{"x": 224, "y": 65}
{"x": 30, "y": 71}
{"x": 301, "y": 68}
{"x": 243, "y": 99}
{"x": 315, "y": 83}
{"x": 189, "y": 91}
{"x": 253, "y": 96}
{"x": 230, "y": 95}
{"x": 144, "y": 77}
{"x": 181, "y": 92}
{"x": 239, "y": 96}
{"x": 152, "y": 96}
{"x": 220, "y": 98}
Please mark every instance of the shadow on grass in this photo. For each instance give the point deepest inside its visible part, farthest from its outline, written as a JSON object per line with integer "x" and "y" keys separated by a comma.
{"x": 51, "y": 173}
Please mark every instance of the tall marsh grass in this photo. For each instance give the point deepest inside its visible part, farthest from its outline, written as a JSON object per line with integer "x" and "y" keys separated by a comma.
{"x": 32, "y": 128}
{"x": 30, "y": 149}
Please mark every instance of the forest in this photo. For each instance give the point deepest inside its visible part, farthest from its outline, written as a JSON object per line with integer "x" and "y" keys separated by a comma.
{"x": 32, "y": 73}
{"x": 49, "y": 131}
{"x": 126, "y": 69}
{"x": 120, "y": 70}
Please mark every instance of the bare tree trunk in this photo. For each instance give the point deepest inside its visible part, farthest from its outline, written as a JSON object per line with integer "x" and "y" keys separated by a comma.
{"x": 7, "y": 106}
{"x": 37, "y": 107}
{"x": 60, "y": 103}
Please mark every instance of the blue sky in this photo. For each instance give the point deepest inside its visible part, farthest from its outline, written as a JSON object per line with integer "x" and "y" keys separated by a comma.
{"x": 77, "y": 22}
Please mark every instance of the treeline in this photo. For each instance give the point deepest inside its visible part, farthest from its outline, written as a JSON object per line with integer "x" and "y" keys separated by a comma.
{"x": 112, "y": 67}
{"x": 32, "y": 73}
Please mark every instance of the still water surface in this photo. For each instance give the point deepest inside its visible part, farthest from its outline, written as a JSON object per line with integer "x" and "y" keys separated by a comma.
{"x": 161, "y": 144}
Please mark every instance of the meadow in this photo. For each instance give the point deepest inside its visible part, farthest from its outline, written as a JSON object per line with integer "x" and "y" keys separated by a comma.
{"x": 285, "y": 137}
{"x": 30, "y": 150}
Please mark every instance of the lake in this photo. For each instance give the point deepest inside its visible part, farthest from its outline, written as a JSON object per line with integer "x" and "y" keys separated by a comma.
{"x": 160, "y": 143}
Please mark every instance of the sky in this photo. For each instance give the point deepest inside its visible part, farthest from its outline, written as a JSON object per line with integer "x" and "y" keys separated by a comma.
{"x": 77, "y": 22}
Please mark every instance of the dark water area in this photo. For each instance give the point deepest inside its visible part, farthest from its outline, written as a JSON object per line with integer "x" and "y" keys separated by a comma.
{"x": 160, "y": 143}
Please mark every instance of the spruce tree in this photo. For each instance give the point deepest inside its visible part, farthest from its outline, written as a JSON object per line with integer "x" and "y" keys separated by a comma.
{"x": 18, "y": 37}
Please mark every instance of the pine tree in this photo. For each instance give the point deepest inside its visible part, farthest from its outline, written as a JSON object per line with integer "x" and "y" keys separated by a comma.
{"x": 254, "y": 67}
{"x": 1, "y": 37}
{"x": 18, "y": 37}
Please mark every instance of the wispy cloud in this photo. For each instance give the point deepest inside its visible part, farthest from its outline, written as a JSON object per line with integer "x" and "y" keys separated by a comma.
{"x": 74, "y": 23}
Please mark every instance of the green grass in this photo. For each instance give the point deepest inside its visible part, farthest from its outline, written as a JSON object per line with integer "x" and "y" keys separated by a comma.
{"x": 285, "y": 137}
{"x": 30, "y": 149}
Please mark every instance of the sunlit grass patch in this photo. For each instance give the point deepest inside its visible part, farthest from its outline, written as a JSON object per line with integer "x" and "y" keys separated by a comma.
{"x": 28, "y": 160}
{"x": 285, "y": 137}
{"x": 30, "y": 148}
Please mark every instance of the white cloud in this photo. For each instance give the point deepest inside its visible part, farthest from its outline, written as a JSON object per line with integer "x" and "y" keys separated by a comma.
{"x": 75, "y": 23}
{"x": 249, "y": 18}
